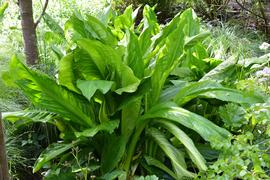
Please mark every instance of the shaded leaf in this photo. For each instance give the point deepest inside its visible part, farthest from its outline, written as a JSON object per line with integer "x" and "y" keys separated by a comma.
{"x": 109, "y": 159}
{"x": 175, "y": 155}
{"x": 53, "y": 151}
{"x": 154, "y": 162}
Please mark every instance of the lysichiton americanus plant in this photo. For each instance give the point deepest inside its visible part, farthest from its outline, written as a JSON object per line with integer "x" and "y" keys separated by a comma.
{"x": 120, "y": 98}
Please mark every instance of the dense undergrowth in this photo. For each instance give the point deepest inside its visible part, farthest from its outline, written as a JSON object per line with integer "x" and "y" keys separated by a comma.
{"x": 114, "y": 99}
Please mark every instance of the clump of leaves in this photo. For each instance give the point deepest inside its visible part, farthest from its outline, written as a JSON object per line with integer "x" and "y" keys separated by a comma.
{"x": 116, "y": 97}
{"x": 247, "y": 156}
{"x": 243, "y": 159}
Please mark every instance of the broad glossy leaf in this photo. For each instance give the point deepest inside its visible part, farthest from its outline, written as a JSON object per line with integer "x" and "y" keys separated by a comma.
{"x": 74, "y": 29}
{"x": 108, "y": 126}
{"x": 223, "y": 71}
{"x": 66, "y": 75}
{"x": 184, "y": 73}
{"x": 150, "y": 19}
{"x": 44, "y": 92}
{"x": 106, "y": 15}
{"x": 211, "y": 89}
{"x": 169, "y": 58}
{"x": 150, "y": 28}
{"x": 105, "y": 56}
{"x": 125, "y": 20}
{"x": 99, "y": 31}
{"x": 190, "y": 22}
{"x": 97, "y": 53}
{"x": 133, "y": 57}
{"x": 89, "y": 88}
{"x": 84, "y": 66}
{"x": 173, "y": 154}
{"x": 195, "y": 155}
{"x": 167, "y": 30}
{"x": 129, "y": 116}
{"x": 66, "y": 176}
{"x": 52, "y": 152}
{"x": 205, "y": 128}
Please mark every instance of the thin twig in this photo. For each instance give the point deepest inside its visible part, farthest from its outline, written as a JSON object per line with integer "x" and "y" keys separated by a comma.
{"x": 243, "y": 7}
{"x": 261, "y": 7}
{"x": 42, "y": 13}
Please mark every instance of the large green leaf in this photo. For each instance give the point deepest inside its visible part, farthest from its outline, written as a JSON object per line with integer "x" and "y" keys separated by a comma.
{"x": 74, "y": 29}
{"x": 66, "y": 76}
{"x": 126, "y": 20}
{"x": 187, "y": 142}
{"x": 222, "y": 72}
{"x": 190, "y": 23}
{"x": 166, "y": 31}
{"x": 133, "y": 56}
{"x": 175, "y": 155}
{"x": 150, "y": 28}
{"x": 89, "y": 88}
{"x": 97, "y": 53}
{"x": 129, "y": 117}
{"x": 46, "y": 93}
{"x": 150, "y": 19}
{"x": 99, "y": 31}
{"x": 211, "y": 89}
{"x": 208, "y": 130}
{"x": 52, "y": 152}
{"x": 84, "y": 66}
{"x": 169, "y": 58}
{"x": 105, "y": 56}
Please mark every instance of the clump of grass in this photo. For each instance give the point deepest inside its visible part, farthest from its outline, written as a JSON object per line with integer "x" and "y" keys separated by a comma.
{"x": 227, "y": 41}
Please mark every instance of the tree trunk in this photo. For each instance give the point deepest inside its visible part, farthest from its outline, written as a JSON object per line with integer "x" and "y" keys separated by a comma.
{"x": 3, "y": 157}
{"x": 29, "y": 31}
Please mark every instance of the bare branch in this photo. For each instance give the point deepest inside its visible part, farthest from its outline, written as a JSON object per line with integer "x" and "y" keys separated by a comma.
{"x": 42, "y": 13}
{"x": 248, "y": 10}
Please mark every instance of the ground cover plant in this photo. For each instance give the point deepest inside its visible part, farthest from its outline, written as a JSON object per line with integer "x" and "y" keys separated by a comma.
{"x": 132, "y": 101}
